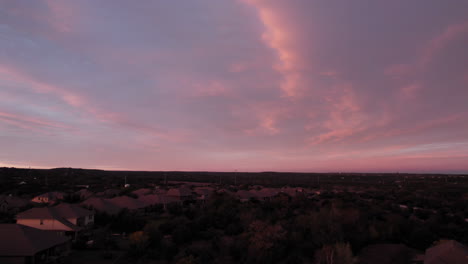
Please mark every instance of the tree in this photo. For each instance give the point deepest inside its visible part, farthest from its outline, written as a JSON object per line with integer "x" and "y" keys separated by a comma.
{"x": 138, "y": 243}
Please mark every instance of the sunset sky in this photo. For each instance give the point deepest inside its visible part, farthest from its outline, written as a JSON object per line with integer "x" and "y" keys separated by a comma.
{"x": 224, "y": 85}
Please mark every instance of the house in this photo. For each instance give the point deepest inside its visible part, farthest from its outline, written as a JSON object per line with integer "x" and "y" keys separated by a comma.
{"x": 449, "y": 251}
{"x": 181, "y": 193}
{"x": 127, "y": 202}
{"x": 142, "y": 191}
{"x": 49, "y": 198}
{"x": 64, "y": 219}
{"x": 292, "y": 191}
{"x": 245, "y": 195}
{"x": 84, "y": 194}
{"x": 109, "y": 193}
{"x": 203, "y": 193}
{"x": 266, "y": 193}
{"x": 150, "y": 199}
{"x": 102, "y": 205}
{"x": 24, "y": 244}
{"x": 9, "y": 203}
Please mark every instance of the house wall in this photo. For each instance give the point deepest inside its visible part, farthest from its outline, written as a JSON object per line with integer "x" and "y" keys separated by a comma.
{"x": 47, "y": 224}
{"x": 87, "y": 220}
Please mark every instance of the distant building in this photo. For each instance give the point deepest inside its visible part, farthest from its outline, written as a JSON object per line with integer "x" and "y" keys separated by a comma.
{"x": 23, "y": 244}
{"x": 49, "y": 198}
{"x": 182, "y": 193}
{"x": 127, "y": 202}
{"x": 64, "y": 219}
{"x": 109, "y": 193}
{"x": 143, "y": 191}
{"x": 84, "y": 194}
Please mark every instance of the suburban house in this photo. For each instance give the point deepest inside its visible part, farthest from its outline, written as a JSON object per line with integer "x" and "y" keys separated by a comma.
{"x": 181, "y": 193}
{"x": 102, "y": 205}
{"x": 27, "y": 245}
{"x": 203, "y": 193}
{"x": 10, "y": 203}
{"x": 84, "y": 194}
{"x": 49, "y": 198}
{"x": 245, "y": 195}
{"x": 142, "y": 191}
{"x": 64, "y": 219}
{"x": 127, "y": 202}
{"x": 109, "y": 193}
{"x": 449, "y": 251}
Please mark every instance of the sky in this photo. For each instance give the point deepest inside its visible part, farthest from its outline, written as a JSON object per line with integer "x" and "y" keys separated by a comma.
{"x": 224, "y": 85}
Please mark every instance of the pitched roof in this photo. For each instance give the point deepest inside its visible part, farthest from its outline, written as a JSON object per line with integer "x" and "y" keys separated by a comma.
{"x": 142, "y": 191}
{"x": 48, "y": 213}
{"x": 51, "y": 195}
{"x": 62, "y": 210}
{"x": 127, "y": 202}
{"x": 150, "y": 199}
{"x": 447, "y": 252}
{"x": 267, "y": 192}
{"x": 38, "y": 213}
{"x": 102, "y": 205}
{"x": 66, "y": 210}
{"x": 20, "y": 240}
{"x": 84, "y": 193}
{"x": 179, "y": 192}
{"x": 244, "y": 194}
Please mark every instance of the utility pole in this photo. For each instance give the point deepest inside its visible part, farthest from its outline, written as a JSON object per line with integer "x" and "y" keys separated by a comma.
{"x": 235, "y": 177}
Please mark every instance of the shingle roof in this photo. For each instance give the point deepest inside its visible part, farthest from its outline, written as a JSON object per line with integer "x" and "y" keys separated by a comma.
{"x": 63, "y": 210}
{"x": 150, "y": 199}
{"x": 127, "y": 202}
{"x": 51, "y": 195}
{"x": 38, "y": 213}
{"x": 143, "y": 191}
{"x": 179, "y": 192}
{"x": 66, "y": 210}
{"x": 447, "y": 252}
{"x": 48, "y": 213}
{"x": 19, "y": 240}
{"x": 102, "y": 205}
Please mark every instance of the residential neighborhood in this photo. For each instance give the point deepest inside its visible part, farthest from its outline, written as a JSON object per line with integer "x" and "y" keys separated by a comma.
{"x": 178, "y": 218}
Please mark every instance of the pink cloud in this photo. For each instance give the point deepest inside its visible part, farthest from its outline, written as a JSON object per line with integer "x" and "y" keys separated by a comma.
{"x": 31, "y": 123}
{"x": 345, "y": 117}
{"x": 279, "y": 38}
{"x": 439, "y": 42}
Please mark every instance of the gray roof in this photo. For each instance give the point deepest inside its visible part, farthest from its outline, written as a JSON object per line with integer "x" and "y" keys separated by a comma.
{"x": 19, "y": 240}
